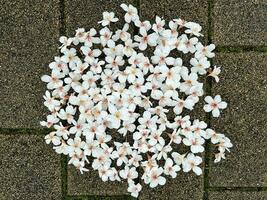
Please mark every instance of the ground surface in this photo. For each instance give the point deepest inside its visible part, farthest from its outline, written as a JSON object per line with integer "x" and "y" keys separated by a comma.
{"x": 30, "y": 170}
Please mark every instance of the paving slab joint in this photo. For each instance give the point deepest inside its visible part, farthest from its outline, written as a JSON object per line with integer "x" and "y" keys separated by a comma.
{"x": 64, "y": 176}
{"x": 208, "y": 115}
{"x": 93, "y": 197}
{"x": 243, "y": 189}
{"x": 25, "y": 131}
{"x": 239, "y": 49}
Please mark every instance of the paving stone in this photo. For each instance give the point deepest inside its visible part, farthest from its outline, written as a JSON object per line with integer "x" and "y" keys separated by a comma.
{"x": 185, "y": 186}
{"x": 195, "y": 10}
{"x": 189, "y": 10}
{"x": 238, "y": 195}
{"x": 29, "y": 169}
{"x": 87, "y": 14}
{"x": 239, "y": 22}
{"x": 29, "y": 34}
{"x": 90, "y": 183}
{"x": 244, "y": 86}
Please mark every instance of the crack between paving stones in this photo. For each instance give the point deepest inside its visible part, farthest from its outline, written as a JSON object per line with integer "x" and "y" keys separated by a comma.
{"x": 25, "y": 131}
{"x": 244, "y": 189}
{"x": 208, "y": 115}
{"x": 64, "y": 158}
{"x": 98, "y": 197}
{"x": 238, "y": 49}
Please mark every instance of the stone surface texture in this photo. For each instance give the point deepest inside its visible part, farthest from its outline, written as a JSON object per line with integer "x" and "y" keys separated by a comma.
{"x": 240, "y": 22}
{"x": 29, "y": 33}
{"x": 244, "y": 86}
{"x": 29, "y": 169}
{"x": 238, "y": 195}
{"x": 91, "y": 184}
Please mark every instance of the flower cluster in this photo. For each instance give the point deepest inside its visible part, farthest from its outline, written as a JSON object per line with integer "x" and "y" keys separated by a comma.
{"x": 116, "y": 100}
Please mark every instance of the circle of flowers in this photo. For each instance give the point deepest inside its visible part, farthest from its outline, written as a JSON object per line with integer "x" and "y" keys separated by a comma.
{"x": 116, "y": 100}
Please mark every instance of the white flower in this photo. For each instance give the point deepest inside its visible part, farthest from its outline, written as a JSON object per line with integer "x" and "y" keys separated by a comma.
{"x": 65, "y": 42}
{"x": 67, "y": 114}
{"x": 160, "y": 57}
{"x": 146, "y": 39}
{"x": 95, "y": 65}
{"x": 134, "y": 189}
{"x": 51, "y": 137}
{"x": 187, "y": 45}
{"x": 154, "y": 177}
{"x": 90, "y": 54}
{"x": 155, "y": 138}
{"x": 108, "y": 17}
{"x": 129, "y": 173}
{"x": 163, "y": 151}
{"x": 113, "y": 49}
{"x": 122, "y": 34}
{"x": 219, "y": 156}
{"x": 105, "y": 35}
{"x": 170, "y": 169}
{"x": 90, "y": 38}
{"x": 131, "y": 13}
{"x": 54, "y": 81}
{"x": 224, "y": 144}
{"x": 163, "y": 98}
{"x": 174, "y": 28}
{"x": 214, "y": 105}
{"x": 180, "y": 104}
{"x": 191, "y": 162}
{"x": 180, "y": 22}
{"x": 193, "y": 28}
{"x": 204, "y": 51}
{"x": 215, "y": 72}
{"x": 178, "y": 158}
{"x": 79, "y": 36}
{"x": 69, "y": 56}
{"x": 195, "y": 143}
{"x": 81, "y": 168}
{"x": 128, "y": 49}
{"x": 175, "y": 137}
{"x": 75, "y": 145}
{"x": 146, "y": 25}
{"x": 199, "y": 66}
{"x": 104, "y": 171}
{"x": 199, "y": 128}
{"x": 158, "y": 26}
{"x": 50, "y": 102}
{"x": 126, "y": 126}
{"x": 133, "y": 73}
{"x": 189, "y": 81}
{"x": 62, "y": 131}
{"x": 116, "y": 115}
{"x": 51, "y": 120}
{"x": 114, "y": 62}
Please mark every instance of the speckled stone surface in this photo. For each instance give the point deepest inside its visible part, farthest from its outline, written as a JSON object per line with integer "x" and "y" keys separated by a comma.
{"x": 87, "y": 13}
{"x": 238, "y": 195}
{"x": 29, "y": 34}
{"x": 189, "y": 10}
{"x": 29, "y": 169}
{"x": 244, "y": 86}
{"x": 185, "y": 186}
{"x": 91, "y": 184}
{"x": 240, "y": 22}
